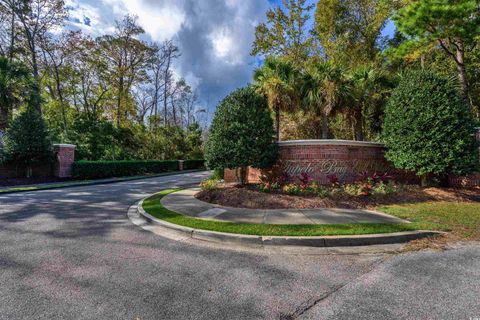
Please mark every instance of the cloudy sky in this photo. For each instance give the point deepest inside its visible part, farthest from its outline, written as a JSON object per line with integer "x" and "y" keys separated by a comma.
{"x": 214, "y": 36}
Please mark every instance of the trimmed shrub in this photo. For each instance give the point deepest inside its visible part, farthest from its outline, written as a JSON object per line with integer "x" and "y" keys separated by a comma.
{"x": 107, "y": 169}
{"x": 193, "y": 164}
{"x": 428, "y": 128}
{"x": 242, "y": 133}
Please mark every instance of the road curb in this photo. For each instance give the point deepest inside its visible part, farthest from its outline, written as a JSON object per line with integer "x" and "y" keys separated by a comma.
{"x": 308, "y": 241}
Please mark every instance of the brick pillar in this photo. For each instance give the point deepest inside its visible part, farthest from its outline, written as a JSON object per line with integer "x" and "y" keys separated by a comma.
{"x": 65, "y": 156}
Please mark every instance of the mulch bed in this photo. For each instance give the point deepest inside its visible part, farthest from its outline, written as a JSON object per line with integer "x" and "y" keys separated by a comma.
{"x": 249, "y": 197}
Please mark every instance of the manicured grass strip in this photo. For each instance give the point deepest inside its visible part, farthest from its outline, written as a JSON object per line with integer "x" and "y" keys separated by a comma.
{"x": 153, "y": 206}
{"x": 460, "y": 218}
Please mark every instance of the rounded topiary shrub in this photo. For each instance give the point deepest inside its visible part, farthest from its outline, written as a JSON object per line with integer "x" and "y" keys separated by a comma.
{"x": 428, "y": 128}
{"x": 241, "y": 133}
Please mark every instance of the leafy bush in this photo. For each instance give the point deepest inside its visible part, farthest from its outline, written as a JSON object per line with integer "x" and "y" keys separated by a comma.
{"x": 217, "y": 174}
{"x": 241, "y": 133}
{"x": 322, "y": 191}
{"x": 353, "y": 189}
{"x": 193, "y": 164}
{"x": 209, "y": 184}
{"x": 292, "y": 188}
{"x": 275, "y": 176}
{"x": 428, "y": 128}
{"x": 106, "y": 169}
{"x": 268, "y": 187}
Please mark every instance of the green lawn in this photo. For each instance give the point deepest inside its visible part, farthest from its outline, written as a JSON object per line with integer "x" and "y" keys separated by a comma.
{"x": 461, "y": 218}
{"x": 153, "y": 206}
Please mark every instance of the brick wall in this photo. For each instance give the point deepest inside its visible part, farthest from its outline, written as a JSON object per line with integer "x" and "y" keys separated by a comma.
{"x": 62, "y": 167}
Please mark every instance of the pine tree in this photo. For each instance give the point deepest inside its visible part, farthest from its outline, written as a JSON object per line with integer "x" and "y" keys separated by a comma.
{"x": 27, "y": 141}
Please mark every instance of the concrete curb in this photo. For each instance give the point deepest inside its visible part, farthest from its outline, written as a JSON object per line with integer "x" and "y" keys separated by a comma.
{"x": 94, "y": 183}
{"x": 308, "y": 241}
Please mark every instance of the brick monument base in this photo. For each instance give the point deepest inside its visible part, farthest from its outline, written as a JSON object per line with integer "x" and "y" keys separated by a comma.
{"x": 320, "y": 159}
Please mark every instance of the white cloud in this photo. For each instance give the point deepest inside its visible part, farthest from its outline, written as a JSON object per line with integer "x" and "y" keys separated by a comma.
{"x": 224, "y": 46}
{"x": 87, "y": 18}
{"x": 161, "y": 21}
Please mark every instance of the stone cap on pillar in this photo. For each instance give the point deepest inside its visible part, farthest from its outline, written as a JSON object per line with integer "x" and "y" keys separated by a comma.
{"x": 64, "y": 145}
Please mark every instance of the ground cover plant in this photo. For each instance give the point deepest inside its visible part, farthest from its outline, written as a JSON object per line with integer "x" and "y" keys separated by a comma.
{"x": 367, "y": 188}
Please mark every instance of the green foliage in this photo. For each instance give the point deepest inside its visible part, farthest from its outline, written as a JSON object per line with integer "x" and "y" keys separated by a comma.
{"x": 368, "y": 89}
{"x": 209, "y": 184}
{"x": 284, "y": 33}
{"x": 452, "y": 24}
{"x": 348, "y": 30}
{"x": 241, "y": 133}
{"x": 26, "y": 141}
{"x": 277, "y": 81}
{"x": 193, "y": 142}
{"x": 428, "y": 128}
{"x": 322, "y": 88}
{"x": 427, "y": 21}
{"x": 101, "y": 140}
{"x": 14, "y": 85}
{"x": 106, "y": 169}
{"x": 292, "y": 188}
{"x": 218, "y": 174}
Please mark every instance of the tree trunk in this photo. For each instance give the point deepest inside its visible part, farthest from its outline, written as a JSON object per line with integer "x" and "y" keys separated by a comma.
{"x": 358, "y": 127}
{"x": 277, "y": 121}
{"x": 241, "y": 173}
{"x": 4, "y": 113}
{"x": 462, "y": 73}
{"x": 36, "y": 81}
{"x": 119, "y": 100}
{"x": 60, "y": 98}
{"x": 12, "y": 37}
{"x": 324, "y": 127}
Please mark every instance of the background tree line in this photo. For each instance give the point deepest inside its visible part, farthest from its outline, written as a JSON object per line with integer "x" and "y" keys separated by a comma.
{"x": 115, "y": 96}
{"x": 332, "y": 78}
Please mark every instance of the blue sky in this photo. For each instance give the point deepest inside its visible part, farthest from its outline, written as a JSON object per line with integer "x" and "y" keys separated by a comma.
{"x": 214, "y": 36}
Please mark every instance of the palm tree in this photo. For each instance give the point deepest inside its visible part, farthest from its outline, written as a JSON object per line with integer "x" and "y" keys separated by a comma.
{"x": 322, "y": 90}
{"x": 13, "y": 82}
{"x": 276, "y": 79}
{"x": 367, "y": 92}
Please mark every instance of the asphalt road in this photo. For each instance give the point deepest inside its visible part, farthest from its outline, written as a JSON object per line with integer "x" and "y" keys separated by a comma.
{"x": 73, "y": 254}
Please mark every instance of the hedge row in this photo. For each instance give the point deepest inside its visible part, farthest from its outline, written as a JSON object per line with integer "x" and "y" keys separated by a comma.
{"x": 193, "y": 164}
{"x": 106, "y": 169}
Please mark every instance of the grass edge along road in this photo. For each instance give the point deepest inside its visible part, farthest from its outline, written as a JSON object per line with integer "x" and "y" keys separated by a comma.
{"x": 153, "y": 207}
{"x": 460, "y": 218}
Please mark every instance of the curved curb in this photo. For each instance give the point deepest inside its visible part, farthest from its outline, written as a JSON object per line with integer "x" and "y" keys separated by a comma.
{"x": 307, "y": 241}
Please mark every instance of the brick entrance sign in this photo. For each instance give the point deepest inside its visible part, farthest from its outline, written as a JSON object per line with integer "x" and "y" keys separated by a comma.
{"x": 344, "y": 159}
